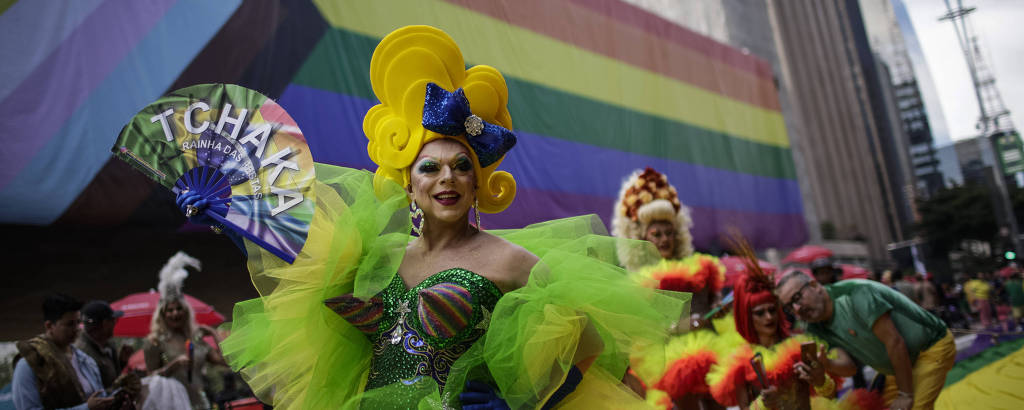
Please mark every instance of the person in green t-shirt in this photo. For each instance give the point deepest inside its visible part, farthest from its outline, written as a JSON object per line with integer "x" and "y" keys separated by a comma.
{"x": 879, "y": 327}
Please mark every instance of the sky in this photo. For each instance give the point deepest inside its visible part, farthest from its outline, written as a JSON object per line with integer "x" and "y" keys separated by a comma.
{"x": 1000, "y": 27}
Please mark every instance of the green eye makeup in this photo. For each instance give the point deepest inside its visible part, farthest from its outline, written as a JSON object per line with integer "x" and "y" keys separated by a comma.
{"x": 427, "y": 166}
{"x": 462, "y": 163}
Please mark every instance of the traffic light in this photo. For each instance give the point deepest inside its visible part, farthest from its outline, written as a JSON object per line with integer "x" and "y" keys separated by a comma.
{"x": 1010, "y": 255}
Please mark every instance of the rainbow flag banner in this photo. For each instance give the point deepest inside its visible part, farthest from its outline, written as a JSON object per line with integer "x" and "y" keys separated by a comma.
{"x": 990, "y": 379}
{"x": 597, "y": 88}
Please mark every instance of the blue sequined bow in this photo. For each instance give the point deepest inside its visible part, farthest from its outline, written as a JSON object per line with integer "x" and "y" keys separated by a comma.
{"x": 448, "y": 113}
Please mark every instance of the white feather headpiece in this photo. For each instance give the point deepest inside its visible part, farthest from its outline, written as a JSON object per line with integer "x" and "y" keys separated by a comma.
{"x": 173, "y": 274}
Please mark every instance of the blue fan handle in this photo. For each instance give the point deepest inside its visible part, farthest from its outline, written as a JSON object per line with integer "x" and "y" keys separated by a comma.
{"x": 211, "y": 184}
{"x": 248, "y": 235}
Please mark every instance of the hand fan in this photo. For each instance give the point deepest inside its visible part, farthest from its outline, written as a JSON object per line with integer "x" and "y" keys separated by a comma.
{"x": 238, "y": 149}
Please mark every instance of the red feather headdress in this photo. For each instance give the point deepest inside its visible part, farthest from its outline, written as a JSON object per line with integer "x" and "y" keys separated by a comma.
{"x": 752, "y": 289}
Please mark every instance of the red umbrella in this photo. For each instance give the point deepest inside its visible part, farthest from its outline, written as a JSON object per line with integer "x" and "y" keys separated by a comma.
{"x": 137, "y": 361}
{"x": 138, "y": 312}
{"x": 807, "y": 253}
{"x": 735, "y": 266}
{"x": 854, "y": 272}
{"x": 1007, "y": 271}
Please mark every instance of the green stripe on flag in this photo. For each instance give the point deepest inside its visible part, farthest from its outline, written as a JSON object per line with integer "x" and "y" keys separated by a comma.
{"x": 995, "y": 353}
{"x": 6, "y": 4}
{"x": 341, "y": 60}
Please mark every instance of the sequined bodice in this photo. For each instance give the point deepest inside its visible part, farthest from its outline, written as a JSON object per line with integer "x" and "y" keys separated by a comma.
{"x": 420, "y": 332}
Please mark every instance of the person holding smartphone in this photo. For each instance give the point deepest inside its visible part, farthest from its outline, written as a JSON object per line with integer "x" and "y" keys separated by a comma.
{"x": 775, "y": 369}
{"x": 879, "y": 327}
{"x": 49, "y": 371}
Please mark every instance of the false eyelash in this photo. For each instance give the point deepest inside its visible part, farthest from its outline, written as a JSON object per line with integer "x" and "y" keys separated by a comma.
{"x": 463, "y": 164}
{"x": 428, "y": 166}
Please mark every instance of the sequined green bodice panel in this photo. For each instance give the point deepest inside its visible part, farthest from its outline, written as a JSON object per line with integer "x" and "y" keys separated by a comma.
{"x": 423, "y": 330}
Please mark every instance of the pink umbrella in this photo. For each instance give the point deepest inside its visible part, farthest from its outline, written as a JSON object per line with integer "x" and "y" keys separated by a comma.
{"x": 807, "y": 253}
{"x": 854, "y": 272}
{"x": 138, "y": 311}
{"x": 735, "y": 267}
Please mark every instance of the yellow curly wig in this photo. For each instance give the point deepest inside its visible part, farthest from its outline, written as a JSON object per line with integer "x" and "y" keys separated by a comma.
{"x": 402, "y": 65}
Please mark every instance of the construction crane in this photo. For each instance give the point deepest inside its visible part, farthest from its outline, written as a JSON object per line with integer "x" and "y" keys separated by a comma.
{"x": 994, "y": 120}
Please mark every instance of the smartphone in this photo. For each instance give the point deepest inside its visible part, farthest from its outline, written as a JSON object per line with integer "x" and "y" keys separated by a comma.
{"x": 757, "y": 362}
{"x": 808, "y": 352}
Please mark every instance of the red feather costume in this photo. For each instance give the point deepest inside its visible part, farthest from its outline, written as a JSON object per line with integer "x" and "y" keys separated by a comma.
{"x": 689, "y": 356}
{"x": 734, "y": 371}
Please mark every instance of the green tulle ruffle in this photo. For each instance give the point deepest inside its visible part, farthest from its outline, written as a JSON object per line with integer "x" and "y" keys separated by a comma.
{"x": 297, "y": 353}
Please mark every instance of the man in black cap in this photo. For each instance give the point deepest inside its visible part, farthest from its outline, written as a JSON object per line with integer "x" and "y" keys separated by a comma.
{"x": 49, "y": 372}
{"x": 99, "y": 321}
{"x": 825, "y": 271}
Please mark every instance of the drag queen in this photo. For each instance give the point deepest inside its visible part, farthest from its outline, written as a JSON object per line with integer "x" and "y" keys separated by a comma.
{"x": 793, "y": 381}
{"x": 369, "y": 316}
{"x": 649, "y": 209}
{"x": 175, "y": 348}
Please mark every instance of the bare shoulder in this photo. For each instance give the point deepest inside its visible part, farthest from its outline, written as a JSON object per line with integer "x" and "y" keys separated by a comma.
{"x": 508, "y": 260}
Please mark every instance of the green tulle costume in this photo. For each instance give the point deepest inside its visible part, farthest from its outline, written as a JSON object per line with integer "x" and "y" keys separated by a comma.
{"x": 338, "y": 328}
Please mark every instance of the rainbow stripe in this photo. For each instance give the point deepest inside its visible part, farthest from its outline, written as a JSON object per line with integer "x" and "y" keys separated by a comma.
{"x": 445, "y": 309}
{"x": 989, "y": 379}
{"x": 66, "y": 106}
{"x": 364, "y": 316}
{"x": 612, "y": 86}
{"x": 597, "y": 88}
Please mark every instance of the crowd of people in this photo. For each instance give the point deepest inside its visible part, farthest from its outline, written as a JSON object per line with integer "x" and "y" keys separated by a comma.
{"x": 67, "y": 368}
{"x": 75, "y": 362}
{"x": 844, "y": 325}
{"x": 989, "y": 300}
{"x": 555, "y": 315}
{"x": 979, "y": 301}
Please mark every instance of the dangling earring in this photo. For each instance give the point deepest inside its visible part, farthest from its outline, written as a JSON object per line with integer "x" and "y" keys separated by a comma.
{"x": 416, "y": 213}
{"x": 476, "y": 209}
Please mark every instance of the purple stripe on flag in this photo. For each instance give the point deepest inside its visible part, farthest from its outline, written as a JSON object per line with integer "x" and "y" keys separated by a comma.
{"x": 332, "y": 124}
{"x": 31, "y": 30}
{"x": 761, "y": 229}
{"x": 600, "y": 171}
{"x": 41, "y": 104}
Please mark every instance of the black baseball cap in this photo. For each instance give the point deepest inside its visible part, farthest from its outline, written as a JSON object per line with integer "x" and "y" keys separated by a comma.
{"x": 98, "y": 311}
{"x": 822, "y": 263}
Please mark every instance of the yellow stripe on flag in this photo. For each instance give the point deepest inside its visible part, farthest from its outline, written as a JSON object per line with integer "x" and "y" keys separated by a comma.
{"x": 542, "y": 60}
